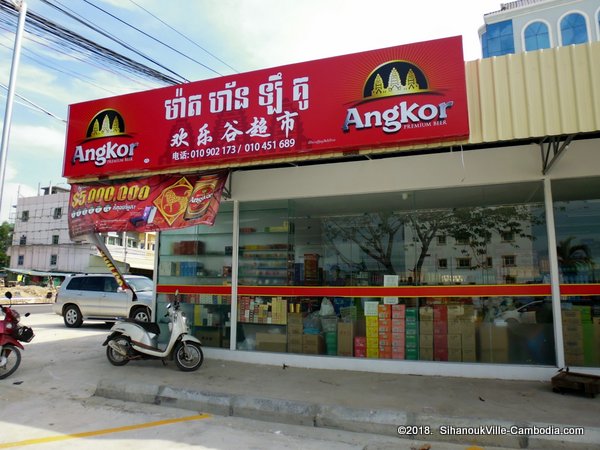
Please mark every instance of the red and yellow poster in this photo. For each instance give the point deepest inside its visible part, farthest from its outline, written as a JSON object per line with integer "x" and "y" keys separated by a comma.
{"x": 155, "y": 203}
{"x": 383, "y": 98}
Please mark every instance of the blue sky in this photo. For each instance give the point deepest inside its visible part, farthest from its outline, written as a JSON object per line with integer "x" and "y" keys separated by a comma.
{"x": 244, "y": 34}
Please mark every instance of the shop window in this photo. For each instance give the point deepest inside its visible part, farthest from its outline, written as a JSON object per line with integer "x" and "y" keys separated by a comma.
{"x": 55, "y": 238}
{"x": 53, "y": 260}
{"x": 442, "y": 263}
{"x": 573, "y": 29}
{"x": 23, "y": 240}
{"x": 536, "y": 36}
{"x": 509, "y": 260}
{"x": 21, "y": 260}
{"x": 441, "y": 239}
{"x": 57, "y": 213}
{"x": 463, "y": 263}
{"x": 25, "y": 216}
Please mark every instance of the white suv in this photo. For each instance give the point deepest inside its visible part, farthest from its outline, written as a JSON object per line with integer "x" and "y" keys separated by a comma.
{"x": 98, "y": 296}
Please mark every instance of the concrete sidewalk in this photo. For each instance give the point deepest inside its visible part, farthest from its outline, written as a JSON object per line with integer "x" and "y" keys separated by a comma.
{"x": 431, "y": 409}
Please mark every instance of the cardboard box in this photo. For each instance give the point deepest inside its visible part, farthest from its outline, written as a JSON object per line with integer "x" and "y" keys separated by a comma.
{"x": 426, "y": 340}
{"x": 426, "y": 354}
{"x": 384, "y": 311}
{"x": 398, "y": 311}
{"x": 454, "y": 326}
{"x": 455, "y": 341}
{"x": 271, "y": 342}
{"x": 440, "y": 313}
{"x": 426, "y": 313}
{"x": 493, "y": 337}
{"x": 440, "y": 327}
{"x": 454, "y": 354}
{"x": 294, "y": 328}
{"x": 398, "y": 326}
{"x": 345, "y": 341}
{"x": 469, "y": 355}
{"x": 426, "y": 327}
{"x": 313, "y": 344}
{"x": 295, "y": 319}
{"x": 210, "y": 337}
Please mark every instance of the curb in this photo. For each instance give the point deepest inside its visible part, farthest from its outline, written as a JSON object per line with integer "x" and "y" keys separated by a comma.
{"x": 382, "y": 422}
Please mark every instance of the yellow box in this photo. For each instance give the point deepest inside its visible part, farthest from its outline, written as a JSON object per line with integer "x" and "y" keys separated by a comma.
{"x": 426, "y": 313}
{"x": 426, "y": 353}
{"x": 426, "y": 341}
{"x": 426, "y": 327}
{"x": 372, "y": 352}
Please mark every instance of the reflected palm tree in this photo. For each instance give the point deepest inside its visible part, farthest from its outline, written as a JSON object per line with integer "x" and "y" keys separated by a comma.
{"x": 571, "y": 258}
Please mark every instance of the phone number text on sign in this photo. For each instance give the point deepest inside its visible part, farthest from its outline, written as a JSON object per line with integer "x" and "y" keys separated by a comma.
{"x": 108, "y": 194}
{"x": 232, "y": 150}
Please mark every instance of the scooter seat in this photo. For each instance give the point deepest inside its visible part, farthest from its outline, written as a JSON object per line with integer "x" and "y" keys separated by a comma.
{"x": 150, "y": 327}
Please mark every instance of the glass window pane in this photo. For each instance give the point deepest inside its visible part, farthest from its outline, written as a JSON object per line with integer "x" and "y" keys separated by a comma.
{"x": 536, "y": 36}
{"x": 573, "y": 29}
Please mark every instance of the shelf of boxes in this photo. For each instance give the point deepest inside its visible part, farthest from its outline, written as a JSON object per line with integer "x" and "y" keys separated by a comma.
{"x": 262, "y": 310}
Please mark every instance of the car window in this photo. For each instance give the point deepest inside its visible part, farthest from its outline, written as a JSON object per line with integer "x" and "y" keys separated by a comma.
{"x": 75, "y": 284}
{"x": 140, "y": 284}
{"x": 95, "y": 284}
{"x": 110, "y": 284}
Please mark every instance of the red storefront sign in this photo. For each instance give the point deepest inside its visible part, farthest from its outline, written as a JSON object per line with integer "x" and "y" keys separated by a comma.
{"x": 159, "y": 202}
{"x": 400, "y": 95}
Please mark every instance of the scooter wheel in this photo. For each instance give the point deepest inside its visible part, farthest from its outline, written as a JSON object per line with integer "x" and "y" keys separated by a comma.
{"x": 115, "y": 357}
{"x": 189, "y": 357}
{"x": 10, "y": 358}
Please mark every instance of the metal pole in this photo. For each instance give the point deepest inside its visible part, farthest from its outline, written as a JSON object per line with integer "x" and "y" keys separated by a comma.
{"x": 11, "y": 94}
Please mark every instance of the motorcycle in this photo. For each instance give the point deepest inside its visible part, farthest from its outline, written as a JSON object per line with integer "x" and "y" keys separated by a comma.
{"x": 130, "y": 340}
{"x": 11, "y": 336}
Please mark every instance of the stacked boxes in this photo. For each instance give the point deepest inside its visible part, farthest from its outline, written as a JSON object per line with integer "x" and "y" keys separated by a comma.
{"x": 188, "y": 248}
{"x": 493, "y": 343}
{"x": 572, "y": 323}
{"x": 294, "y": 332}
{"x": 412, "y": 333}
{"x": 360, "y": 346}
{"x": 372, "y": 329}
{"x": 440, "y": 333}
{"x": 262, "y": 310}
{"x": 426, "y": 333}
{"x": 467, "y": 326}
{"x": 345, "y": 339}
{"x": 313, "y": 344}
{"x": 398, "y": 331}
{"x": 372, "y": 333}
{"x": 384, "y": 328}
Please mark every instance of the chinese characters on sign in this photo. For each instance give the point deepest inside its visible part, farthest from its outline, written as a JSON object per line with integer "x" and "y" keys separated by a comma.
{"x": 379, "y": 99}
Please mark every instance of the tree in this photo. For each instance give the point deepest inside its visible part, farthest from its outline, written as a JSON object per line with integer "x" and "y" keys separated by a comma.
{"x": 573, "y": 257}
{"x": 6, "y": 233}
{"x": 375, "y": 233}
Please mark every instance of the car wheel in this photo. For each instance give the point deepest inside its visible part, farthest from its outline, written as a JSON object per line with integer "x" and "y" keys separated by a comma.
{"x": 141, "y": 314}
{"x": 72, "y": 317}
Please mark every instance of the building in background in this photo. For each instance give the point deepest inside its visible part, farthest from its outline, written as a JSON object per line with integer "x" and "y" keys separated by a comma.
{"x": 42, "y": 246}
{"x": 528, "y": 25}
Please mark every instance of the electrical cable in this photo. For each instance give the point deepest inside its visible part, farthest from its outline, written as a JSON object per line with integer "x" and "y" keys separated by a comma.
{"x": 111, "y": 37}
{"x": 151, "y": 37}
{"x": 64, "y": 38}
{"x": 183, "y": 36}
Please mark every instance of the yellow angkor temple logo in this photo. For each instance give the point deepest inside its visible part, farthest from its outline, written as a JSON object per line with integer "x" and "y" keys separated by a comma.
{"x": 395, "y": 78}
{"x": 106, "y": 123}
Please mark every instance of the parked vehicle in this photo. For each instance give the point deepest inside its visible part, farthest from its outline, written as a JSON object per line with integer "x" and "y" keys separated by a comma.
{"x": 130, "y": 339}
{"x": 99, "y": 297}
{"x": 11, "y": 336}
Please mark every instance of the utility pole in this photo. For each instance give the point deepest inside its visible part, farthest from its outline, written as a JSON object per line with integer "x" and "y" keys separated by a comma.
{"x": 22, "y": 7}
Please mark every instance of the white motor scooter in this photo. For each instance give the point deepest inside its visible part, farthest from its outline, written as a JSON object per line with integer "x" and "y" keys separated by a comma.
{"x": 130, "y": 339}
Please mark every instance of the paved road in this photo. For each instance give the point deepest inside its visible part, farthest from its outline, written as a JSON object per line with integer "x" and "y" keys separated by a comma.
{"x": 49, "y": 404}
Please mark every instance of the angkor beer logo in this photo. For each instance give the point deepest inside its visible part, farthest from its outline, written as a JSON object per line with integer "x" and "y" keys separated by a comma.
{"x": 107, "y": 123}
{"x": 396, "y": 79}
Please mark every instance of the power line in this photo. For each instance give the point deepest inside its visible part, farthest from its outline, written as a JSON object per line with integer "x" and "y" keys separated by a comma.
{"x": 151, "y": 37}
{"x": 183, "y": 36}
{"x": 64, "y": 38}
{"x": 111, "y": 37}
{"x": 39, "y": 108}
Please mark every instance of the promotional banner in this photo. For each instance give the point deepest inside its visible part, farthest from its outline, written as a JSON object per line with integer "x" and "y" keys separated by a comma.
{"x": 155, "y": 203}
{"x": 390, "y": 97}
